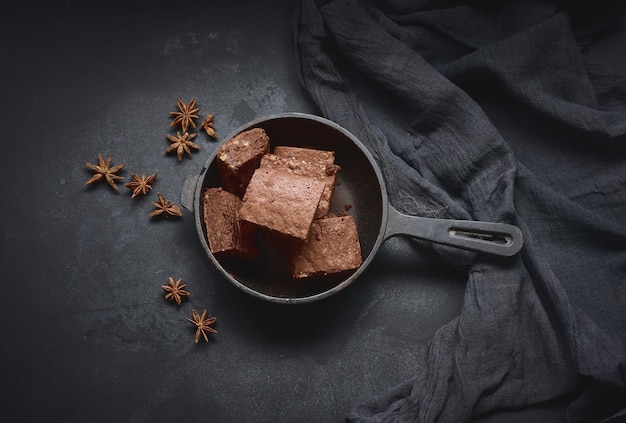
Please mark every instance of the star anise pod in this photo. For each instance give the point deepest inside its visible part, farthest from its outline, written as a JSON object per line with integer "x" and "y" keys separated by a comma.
{"x": 186, "y": 115}
{"x": 203, "y": 325}
{"x": 181, "y": 144}
{"x": 175, "y": 290}
{"x": 104, "y": 170}
{"x": 208, "y": 126}
{"x": 165, "y": 208}
{"x": 140, "y": 185}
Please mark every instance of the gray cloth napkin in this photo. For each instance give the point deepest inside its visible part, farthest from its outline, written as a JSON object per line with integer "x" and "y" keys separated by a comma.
{"x": 491, "y": 111}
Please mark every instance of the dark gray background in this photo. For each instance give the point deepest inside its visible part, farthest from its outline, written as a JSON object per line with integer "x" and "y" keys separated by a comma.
{"x": 86, "y": 334}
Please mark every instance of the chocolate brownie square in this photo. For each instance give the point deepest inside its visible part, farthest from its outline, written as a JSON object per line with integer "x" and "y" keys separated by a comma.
{"x": 324, "y": 172}
{"x": 282, "y": 202}
{"x": 238, "y": 158}
{"x": 227, "y": 235}
{"x": 306, "y": 154}
{"x": 332, "y": 246}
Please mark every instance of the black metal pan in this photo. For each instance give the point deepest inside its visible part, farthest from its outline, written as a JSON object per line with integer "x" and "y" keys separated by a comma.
{"x": 360, "y": 185}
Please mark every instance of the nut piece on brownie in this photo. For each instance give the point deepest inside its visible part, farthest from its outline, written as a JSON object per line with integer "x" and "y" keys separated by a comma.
{"x": 238, "y": 158}
{"x": 322, "y": 171}
{"x": 227, "y": 235}
{"x": 282, "y": 202}
{"x": 332, "y": 246}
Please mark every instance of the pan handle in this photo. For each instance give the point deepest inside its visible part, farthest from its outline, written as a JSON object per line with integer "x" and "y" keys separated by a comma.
{"x": 499, "y": 239}
{"x": 187, "y": 191}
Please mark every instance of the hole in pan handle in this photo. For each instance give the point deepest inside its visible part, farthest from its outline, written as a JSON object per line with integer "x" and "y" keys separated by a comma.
{"x": 500, "y": 239}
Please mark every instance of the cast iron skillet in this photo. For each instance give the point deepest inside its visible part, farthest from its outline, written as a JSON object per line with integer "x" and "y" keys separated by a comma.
{"x": 361, "y": 186}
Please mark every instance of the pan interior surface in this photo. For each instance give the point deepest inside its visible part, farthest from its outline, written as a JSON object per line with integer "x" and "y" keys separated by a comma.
{"x": 359, "y": 193}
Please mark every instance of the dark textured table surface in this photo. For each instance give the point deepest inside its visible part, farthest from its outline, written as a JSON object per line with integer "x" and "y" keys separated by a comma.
{"x": 86, "y": 332}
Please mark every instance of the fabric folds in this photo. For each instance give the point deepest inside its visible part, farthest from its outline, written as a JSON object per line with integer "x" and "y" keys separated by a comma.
{"x": 491, "y": 111}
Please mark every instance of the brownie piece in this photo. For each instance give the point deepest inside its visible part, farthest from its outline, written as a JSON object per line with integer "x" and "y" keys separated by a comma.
{"x": 227, "y": 235}
{"x": 238, "y": 158}
{"x": 332, "y": 246}
{"x": 282, "y": 202}
{"x": 324, "y": 172}
{"x": 306, "y": 154}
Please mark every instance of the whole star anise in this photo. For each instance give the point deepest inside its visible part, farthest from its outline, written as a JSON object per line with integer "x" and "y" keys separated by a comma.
{"x": 175, "y": 290}
{"x": 104, "y": 170}
{"x": 186, "y": 115}
{"x": 140, "y": 185}
{"x": 165, "y": 208}
{"x": 203, "y": 325}
{"x": 208, "y": 126}
{"x": 181, "y": 144}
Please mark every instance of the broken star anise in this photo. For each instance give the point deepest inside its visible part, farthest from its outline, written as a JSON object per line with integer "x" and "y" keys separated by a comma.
{"x": 203, "y": 325}
{"x": 165, "y": 208}
{"x": 104, "y": 170}
{"x": 181, "y": 144}
{"x": 140, "y": 185}
{"x": 208, "y": 126}
{"x": 186, "y": 115}
{"x": 175, "y": 290}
